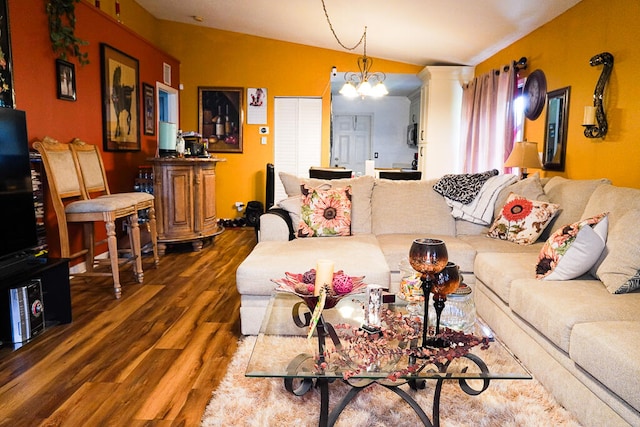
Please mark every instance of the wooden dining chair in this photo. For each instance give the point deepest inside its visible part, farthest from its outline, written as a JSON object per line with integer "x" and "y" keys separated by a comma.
{"x": 401, "y": 175}
{"x": 66, "y": 188}
{"x": 329, "y": 173}
{"x": 95, "y": 182}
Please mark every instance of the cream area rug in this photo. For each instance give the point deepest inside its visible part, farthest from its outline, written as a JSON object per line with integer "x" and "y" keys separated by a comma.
{"x": 242, "y": 401}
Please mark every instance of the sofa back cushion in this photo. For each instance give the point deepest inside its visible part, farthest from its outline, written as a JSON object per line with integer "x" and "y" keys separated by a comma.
{"x": 620, "y": 260}
{"x": 572, "y": 196}
{"x": 410, "y": 207}
{"x": 361, "y": 188}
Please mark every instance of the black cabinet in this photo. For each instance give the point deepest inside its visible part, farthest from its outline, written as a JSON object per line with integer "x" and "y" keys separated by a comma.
{"x": 56, "y": 294}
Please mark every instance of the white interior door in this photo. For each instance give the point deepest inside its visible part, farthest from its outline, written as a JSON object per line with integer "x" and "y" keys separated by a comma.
{"x": 351, "y": 142}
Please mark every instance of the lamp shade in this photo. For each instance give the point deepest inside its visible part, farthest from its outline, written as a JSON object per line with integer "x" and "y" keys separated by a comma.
{"x": 524, "y": 155}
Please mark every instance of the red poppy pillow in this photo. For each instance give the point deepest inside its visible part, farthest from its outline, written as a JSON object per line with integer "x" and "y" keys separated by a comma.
{"x": 325, "y": 212}
{"x": 522, "y": 220}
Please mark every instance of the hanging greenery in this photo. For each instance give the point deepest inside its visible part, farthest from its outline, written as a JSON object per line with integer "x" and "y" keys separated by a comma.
{"x": 62, "y": 25}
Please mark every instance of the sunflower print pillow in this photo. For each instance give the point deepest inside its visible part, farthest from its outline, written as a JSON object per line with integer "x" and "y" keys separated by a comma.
{"x": 325, "y": 212}
{"x": 522, "y": 220}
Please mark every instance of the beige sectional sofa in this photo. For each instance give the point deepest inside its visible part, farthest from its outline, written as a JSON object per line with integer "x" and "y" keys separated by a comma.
{"x": 578, "y": 338}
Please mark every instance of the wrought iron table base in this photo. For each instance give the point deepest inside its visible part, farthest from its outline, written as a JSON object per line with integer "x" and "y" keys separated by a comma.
{"x": 329, "y": 419}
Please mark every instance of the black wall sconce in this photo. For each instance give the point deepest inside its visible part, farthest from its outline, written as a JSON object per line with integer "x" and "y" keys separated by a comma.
{"x": 595, "y": 119}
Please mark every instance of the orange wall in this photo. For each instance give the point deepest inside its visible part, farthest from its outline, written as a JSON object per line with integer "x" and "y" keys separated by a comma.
{"x": 562, "y": 49}
{"x": 35, "y": 85}
{"x": 220, "y": 58}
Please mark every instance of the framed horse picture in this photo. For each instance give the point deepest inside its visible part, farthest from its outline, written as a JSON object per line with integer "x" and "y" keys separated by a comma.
{"x": 120, "y": 100}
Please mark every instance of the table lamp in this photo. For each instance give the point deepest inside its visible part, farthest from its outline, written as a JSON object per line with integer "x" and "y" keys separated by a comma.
{"x": 524, "y": 155}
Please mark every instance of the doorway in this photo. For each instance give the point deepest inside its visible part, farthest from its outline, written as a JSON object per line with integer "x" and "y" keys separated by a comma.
{"x": 351, "y": 145}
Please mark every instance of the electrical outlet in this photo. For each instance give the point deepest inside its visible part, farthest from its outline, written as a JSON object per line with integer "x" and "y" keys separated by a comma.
{"x": 239, "y": 206}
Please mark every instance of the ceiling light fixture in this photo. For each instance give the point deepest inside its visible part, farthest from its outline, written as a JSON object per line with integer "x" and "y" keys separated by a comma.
{"x": 364, "y": 82}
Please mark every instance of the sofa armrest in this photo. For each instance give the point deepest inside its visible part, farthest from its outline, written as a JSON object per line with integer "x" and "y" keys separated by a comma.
{"x": 275, "y": 225}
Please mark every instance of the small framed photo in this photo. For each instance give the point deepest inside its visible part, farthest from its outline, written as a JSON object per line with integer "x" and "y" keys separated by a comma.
{"x": 66, "y": 75}
{"x": 149, "y": 103}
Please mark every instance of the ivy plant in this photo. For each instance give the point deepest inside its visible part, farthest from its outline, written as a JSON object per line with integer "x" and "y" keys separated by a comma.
{"x": 62, "y": 25}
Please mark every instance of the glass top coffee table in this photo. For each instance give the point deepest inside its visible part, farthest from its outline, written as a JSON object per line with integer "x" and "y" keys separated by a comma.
{"x": 333, "y": 353}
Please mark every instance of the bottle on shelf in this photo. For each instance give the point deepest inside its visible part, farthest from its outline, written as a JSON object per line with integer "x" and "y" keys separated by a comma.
{"x": 227, "y": 122}
{"x": 180, "y": 145}
{"x": 219, "y": 124}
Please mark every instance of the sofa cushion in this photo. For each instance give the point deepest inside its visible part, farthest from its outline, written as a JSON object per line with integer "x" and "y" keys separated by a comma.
{"x": 572, "y": 250}
{"x": 396, "y": 247}
{"x": 325, "y": 212}
{"x": 621, "y": 257}
{"x": 522, "y": 220}
{"x": 614, "y": 369}
{"x": 554, "y": 307}
{"x": 572, "y": 195}
{"x": 409, "y": 207}
{"x": 270, "y": 260}
{"x": 498, "y": 270}
{"x": 361, "y": 188}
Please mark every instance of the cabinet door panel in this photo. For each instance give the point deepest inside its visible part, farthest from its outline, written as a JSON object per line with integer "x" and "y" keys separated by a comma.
{"x": 179, "y": 218}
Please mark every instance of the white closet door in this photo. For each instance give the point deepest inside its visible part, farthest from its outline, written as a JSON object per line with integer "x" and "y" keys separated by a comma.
{"x": 297, "y": 138}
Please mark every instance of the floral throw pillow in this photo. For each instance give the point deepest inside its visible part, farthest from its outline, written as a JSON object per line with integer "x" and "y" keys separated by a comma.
{"x": 572, "y": 250}
{"x": 325, "y": 212}
{"x": 522, "y": 220}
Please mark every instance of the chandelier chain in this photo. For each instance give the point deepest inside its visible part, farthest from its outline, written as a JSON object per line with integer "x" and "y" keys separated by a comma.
{"x": 363, "y": 38}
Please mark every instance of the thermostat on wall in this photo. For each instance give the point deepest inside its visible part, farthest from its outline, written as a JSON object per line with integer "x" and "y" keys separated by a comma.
{"x": 264, "y": 130}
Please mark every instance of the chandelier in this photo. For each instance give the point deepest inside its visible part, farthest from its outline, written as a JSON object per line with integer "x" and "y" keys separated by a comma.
{"x": 364, "y": 82}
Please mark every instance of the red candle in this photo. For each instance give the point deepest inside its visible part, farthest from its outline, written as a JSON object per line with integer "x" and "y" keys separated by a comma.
{"x": 117, "y": 7}
{"x": 98, "y": 4}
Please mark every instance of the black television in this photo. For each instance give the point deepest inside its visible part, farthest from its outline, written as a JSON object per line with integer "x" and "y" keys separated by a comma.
{"x": 18, "y": 230}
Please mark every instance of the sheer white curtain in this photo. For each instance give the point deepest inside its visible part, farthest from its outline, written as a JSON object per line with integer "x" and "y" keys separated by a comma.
{"x": 487, "y": 120}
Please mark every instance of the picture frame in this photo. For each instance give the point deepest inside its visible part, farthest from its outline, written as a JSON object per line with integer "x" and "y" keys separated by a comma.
{"x": 220, "y": 118}
{"x": 149, "y": 106}
{"x": 556, "y": 125}
{"x": 7, "y": 94}
{"x": 120, "y": 100}
{"x": 66, "y": 80}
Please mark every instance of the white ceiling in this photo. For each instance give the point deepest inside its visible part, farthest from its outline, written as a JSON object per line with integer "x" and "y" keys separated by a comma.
{"x": 422, "y": 32}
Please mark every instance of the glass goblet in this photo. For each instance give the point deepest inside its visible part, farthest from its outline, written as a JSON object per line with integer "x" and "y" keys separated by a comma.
{"x": 428, "y": 257}
{"x": 447, "y": 281}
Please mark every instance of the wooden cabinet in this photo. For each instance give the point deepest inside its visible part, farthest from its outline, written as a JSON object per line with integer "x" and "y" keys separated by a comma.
{"x": 185, "y": 192}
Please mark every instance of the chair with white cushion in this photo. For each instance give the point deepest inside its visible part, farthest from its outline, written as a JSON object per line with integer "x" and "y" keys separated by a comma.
{"x": 95, "y": 184}
{"x": 66, "y": 188}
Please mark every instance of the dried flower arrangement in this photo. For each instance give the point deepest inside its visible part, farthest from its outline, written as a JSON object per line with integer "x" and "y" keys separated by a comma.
{"x": 395, "y": 348}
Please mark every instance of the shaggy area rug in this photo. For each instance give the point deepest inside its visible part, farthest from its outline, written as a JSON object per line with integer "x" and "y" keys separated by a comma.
{"x": 242, "y": 401}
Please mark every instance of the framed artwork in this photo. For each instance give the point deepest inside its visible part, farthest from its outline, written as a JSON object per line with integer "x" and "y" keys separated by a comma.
{"x": 66, "y": 78}
{"x": 120, "y": 100}
{"x": 220, "y": 117}
{"x": 7, "y": 98}
{"x": 149, "y": 105}
{"x": 257, "y": 106}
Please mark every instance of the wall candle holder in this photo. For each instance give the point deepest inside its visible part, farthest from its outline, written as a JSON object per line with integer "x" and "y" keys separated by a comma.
{"x": 598, "y": 130}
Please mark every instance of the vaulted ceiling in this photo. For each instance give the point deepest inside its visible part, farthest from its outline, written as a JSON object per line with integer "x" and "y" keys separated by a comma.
{"x": 422, "y": 32}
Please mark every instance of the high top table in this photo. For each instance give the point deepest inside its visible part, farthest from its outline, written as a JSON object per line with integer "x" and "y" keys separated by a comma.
{"x": 287, "y": 319}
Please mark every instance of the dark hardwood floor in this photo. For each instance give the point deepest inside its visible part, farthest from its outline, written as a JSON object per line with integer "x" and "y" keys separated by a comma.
{"x": 151, "y": 358}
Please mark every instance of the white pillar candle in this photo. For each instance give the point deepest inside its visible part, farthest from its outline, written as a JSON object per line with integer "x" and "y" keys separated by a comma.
{"x": 370, "y": 167}
{"x": 589, "y": 115}
{"x": 324, "y": 275}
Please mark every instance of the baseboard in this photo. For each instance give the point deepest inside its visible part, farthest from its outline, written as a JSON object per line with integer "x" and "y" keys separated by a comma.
{"x": 81, "y": 267}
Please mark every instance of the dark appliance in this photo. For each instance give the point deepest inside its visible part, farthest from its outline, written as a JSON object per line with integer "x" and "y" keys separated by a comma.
{"x": 17, "y": 216}
{"x": 412, "y": 135}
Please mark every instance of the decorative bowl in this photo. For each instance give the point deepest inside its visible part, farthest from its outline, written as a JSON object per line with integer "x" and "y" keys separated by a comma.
{"x": 294, "y": 283}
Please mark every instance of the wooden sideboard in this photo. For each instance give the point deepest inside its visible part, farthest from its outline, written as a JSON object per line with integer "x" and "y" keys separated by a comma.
{"x": 185, "y": 192}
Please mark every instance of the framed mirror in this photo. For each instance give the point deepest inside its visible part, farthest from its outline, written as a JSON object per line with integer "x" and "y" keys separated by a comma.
{"x": 555, "y": 134}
